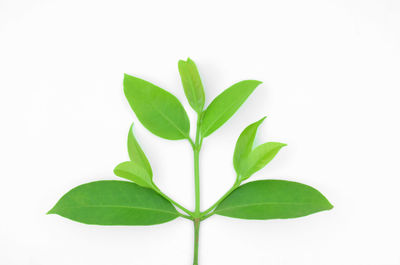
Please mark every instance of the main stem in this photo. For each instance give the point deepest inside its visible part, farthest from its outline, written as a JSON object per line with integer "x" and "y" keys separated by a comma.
{"x": 196, "y": 220}
{"x": 197, "y": 180}
{"x": 196, "y": 241}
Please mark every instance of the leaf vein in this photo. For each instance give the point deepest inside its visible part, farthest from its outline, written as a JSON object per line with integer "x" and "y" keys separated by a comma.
{"x": 116, "y": 206}
{"x": 267, "y": 204}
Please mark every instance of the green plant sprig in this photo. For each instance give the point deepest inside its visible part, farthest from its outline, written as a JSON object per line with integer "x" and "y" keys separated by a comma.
{"x": 139, "y": 201}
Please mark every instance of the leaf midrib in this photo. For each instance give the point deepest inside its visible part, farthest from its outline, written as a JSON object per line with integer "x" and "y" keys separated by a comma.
{"x": 269, "y": 204}
{"x": 116, "y": 206}
{"x": 169, "y": 120}
{"x": 192, "y": 87}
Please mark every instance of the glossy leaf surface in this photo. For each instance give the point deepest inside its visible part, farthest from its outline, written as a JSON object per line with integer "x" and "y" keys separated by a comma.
{"x": 136, "y": 153}
{"x": 273, "y": 199}
{"x": 113, "y": 202}
{"x": 225, "y": 105}
{"x": 192, "y": 84}
{"x": 260, "y": 157}
{"x": 244, "y": 145}
{"x": 158, "y": 110}
{"x": 134, "y": 172}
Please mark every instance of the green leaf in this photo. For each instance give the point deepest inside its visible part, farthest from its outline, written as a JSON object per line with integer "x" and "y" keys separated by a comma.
{"x": 244, "y": 145}
{"x": 112, "y": 202}
{"x": 225, "y": 105}
{"x": 273, "y": 199}
{"x": 192, "y": 84}
{"x": 259, "y": 158}
{"x": 134, "y": 172}
{"x": 136, "y": 153}
{"x": 158, "y": 110}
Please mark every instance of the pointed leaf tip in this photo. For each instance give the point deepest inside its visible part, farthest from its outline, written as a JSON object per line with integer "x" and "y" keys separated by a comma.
{"x": 225, "y": 105}
{"x": 244, "y": 145}
{"x": 260, "y": 157}
{"x": 136, "y": 153}
{"x": 262, "y": 119}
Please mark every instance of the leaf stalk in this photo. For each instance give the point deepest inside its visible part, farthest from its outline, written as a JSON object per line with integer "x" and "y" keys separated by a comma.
{"x": 190, "y": 213}
{"x": 206, "y": 213}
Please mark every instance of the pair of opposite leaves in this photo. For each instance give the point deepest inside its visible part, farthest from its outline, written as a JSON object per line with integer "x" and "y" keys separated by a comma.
{"x": 125, "y": 203}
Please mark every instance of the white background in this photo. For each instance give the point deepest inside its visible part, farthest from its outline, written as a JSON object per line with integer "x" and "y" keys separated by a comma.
{"x": 331, "y": 92}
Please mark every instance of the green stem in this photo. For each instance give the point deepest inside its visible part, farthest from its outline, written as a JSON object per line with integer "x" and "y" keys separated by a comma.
{"x": 196, "y": 157}
{"x": 191, "y": 142}
{"x": 204, "y": 217}
{"x": 185, "y": 216}
{"x": 174, "y": 202}
{"x": 196, "y": 241}
{"x": 197, "y": 183}
{"x": 205, "y": 214}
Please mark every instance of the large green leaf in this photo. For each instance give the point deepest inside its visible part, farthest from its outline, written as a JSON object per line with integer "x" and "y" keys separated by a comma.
{"x": 225, "y": 105}
{"x": 273, "y": 199}
{"x": 259, "y": 158}
{"x": 244, "y": 145}
{"x": 158, "y": 110}
{"x": 136, "y": 153}
{"x": 192, "y": 84}
{"x": 134, "y": 172}
{"x": 112, "y": 202}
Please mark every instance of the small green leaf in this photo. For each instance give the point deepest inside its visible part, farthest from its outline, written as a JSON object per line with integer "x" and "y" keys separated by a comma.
{"x": 134, "y": 172}
{"x": 112, "y": 202}
{"x": 259, "y": 158}
{"x": 158, "y": 110}
{"x": 273, "y": 199}
{"x": 225, "y": 105}
{"x": 136, "y": 153}
{"x": 244, "y": 145}
{"x": 192, "y": 84}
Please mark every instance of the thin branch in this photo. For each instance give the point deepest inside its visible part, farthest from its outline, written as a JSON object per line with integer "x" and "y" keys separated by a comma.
{"x": 190, "y": 213}
{"x": 235, "y": 185}
{"x": 186, "y": 216}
